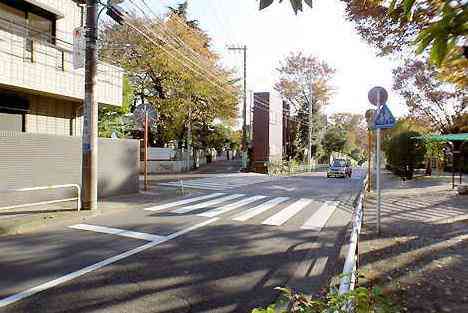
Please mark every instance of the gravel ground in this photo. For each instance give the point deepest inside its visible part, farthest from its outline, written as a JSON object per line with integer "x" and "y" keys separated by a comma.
{"x": 421, "y": 256}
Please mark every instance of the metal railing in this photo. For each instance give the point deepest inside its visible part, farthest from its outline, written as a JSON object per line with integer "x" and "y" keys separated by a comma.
{"x": 78, "y": 196}
{"x": 349, "y": 275}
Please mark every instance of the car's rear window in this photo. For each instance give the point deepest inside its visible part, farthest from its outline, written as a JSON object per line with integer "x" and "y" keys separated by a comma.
{"x": 339, "y": 163}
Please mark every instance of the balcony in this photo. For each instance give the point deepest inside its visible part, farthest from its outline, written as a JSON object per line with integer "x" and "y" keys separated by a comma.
{"x": 44, "y": 66}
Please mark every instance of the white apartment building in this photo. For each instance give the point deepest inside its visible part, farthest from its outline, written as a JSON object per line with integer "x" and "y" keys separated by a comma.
{"x": 40, "y": 92}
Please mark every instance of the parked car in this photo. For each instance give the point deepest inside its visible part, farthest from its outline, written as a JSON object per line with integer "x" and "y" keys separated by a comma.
{"x": 339, "y": 168}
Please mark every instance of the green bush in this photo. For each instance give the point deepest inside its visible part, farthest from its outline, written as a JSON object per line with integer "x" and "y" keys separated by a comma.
{"x": 359, "y": 300}
{"x": 404, "y": 154}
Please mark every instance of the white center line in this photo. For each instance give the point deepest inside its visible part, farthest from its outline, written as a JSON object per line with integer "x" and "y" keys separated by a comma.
{"x": 202, "y": 205}
{"x": 260, "y": 209}
{"x": 53, "y": 283}
{"x": 320, "y": 218}
{"x": 230, "y": 207}
{"x": 185, "y": 201}
{"x": 281, "y": 217}
{"x": 117, "y": 231}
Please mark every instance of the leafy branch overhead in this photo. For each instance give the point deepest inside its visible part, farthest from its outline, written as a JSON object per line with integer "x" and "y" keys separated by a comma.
{"x": 297, "y": 5}
{"x": 439, "y": 26}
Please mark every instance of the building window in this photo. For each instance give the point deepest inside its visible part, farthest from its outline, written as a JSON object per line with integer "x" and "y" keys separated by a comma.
{"x": 13, "y": 111}
{"x": 20, "y": 20}
{"x": 40, "y": 28}
{"x": 11, "y": 19}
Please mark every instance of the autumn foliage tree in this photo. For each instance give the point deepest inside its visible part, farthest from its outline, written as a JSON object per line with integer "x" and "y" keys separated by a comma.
{"x": 171, "y": 65}
{"x": 427, "y": 97}
{"x": 304, "y": 82}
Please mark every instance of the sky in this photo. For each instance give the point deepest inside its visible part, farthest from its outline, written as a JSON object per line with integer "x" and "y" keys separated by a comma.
{"x": 271, "y": 34}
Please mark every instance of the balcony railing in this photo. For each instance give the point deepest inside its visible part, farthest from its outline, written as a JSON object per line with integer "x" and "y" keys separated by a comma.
{"x": 41, "y": 62}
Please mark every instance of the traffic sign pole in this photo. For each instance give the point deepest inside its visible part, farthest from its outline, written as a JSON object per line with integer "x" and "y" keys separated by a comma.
{"x": 379, "y": 199}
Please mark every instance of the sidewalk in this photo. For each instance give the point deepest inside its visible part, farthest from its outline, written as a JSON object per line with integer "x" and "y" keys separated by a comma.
{"x": 421, "y": 257}
{"x": 28, "y": 219}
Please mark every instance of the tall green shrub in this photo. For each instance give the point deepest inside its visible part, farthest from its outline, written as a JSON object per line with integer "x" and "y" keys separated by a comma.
{"x": 404, "y": 153}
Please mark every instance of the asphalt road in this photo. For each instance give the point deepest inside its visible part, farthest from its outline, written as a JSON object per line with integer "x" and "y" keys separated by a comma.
{"x": 220, "y": 250}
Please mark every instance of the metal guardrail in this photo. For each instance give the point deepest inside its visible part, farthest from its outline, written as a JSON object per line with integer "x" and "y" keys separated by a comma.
{"x": 348, "y": 278}
{"x": 78, "y": 197}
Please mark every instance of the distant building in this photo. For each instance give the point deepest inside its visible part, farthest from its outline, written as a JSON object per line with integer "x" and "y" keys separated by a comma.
{"x": 267, "y": 140}
{"x": 40, "y": 92}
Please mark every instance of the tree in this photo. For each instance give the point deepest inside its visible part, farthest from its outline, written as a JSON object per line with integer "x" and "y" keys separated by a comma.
{"x": 355, "y": 130}
{"x": 114, "y": 120}
{"x": 304, "y": 82}
{"x": 297, "y": 5}
{"x": 334, "y": 140}
{"x": 430, "y": 24}
{"x": 436, "y": 25}
{"x": 428, "y": 97}
{"x": 176, "y": 72}
{"x": 404, "y": 154}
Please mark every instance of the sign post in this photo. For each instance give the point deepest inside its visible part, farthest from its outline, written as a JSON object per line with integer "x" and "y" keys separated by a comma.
{"x": 145, "y": 115}
{"x": 383, "y": 118}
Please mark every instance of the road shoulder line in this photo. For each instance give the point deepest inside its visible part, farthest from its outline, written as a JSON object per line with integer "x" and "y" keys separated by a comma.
{"x": 53, "y": 283}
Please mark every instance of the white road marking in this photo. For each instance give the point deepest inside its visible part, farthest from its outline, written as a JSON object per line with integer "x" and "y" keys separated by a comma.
{"x": 195, "y": 186}
{"x": 202, "y": 205}
{"x": 282, "y": 216}
{"x": 53, "y": 283}
{"x": 222, "y": 182}
{"x": 182, "y": 202}
{"x": 230, "y": 207}
{"x": 320, "y": 218}
{"x": 260, "y": 209}
{"x": 118, "y": 232}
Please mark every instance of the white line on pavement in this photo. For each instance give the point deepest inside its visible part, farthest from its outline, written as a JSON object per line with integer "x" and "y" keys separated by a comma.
{"x": 320, "y": 218}
{"x": 260, "y": 209}
{"x": 118, "y": 232}
{"x": 230, "y": 207}
{"x": 282, "y": 216}
{"x": 193, "y": 186}
{"x": 53, "y": 283}
{"x": 182, "y": 202}
{"x": 202, "y": 205}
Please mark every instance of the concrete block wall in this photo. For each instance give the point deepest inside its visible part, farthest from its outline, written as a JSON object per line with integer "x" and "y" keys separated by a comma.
{"x": 32, "y": 160}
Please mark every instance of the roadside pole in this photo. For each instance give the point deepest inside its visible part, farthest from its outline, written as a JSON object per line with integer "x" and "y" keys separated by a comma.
{"x": 244, "y": 114}
{"x": 90, "y": 113}
{"x": 383, "y": 118}
{"x": 309, "y": 151}
{"x": 146, "y": 151}
{"x": 244, "y": 108}
{"x": 378, "y": 180}
{"x": 369, "y": 159}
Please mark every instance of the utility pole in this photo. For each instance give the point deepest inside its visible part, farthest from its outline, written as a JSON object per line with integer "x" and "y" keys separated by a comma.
{"x": 309, "y": 151}
{"x": 244, "y": 110}
{"x": 90, "y": 112}
{"x": 189, "y": 137}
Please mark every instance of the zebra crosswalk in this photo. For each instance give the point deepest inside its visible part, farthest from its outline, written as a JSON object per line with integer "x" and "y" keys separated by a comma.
{"x": 241, "y": 208}
{"x": 221, "y": 183}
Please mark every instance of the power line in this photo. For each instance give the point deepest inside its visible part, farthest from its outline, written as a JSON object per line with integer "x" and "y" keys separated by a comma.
{"x": 177, "y": 39}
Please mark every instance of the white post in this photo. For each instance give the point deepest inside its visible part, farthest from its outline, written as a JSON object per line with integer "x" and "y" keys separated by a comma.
{"x": 378, "y": 180}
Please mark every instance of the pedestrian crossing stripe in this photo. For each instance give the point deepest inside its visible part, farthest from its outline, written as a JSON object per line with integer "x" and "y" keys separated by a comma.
{"x": 281, "y": 217}
{"x": 318, "y": 220}
{"x": 210, "y": 203}
{"x": 221, "y": 182}
{"x": 230, "y": 207}
{"x": 260, "y": 209}
{"x": 185, "y": 201}
{"x": 215, "y": 205}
